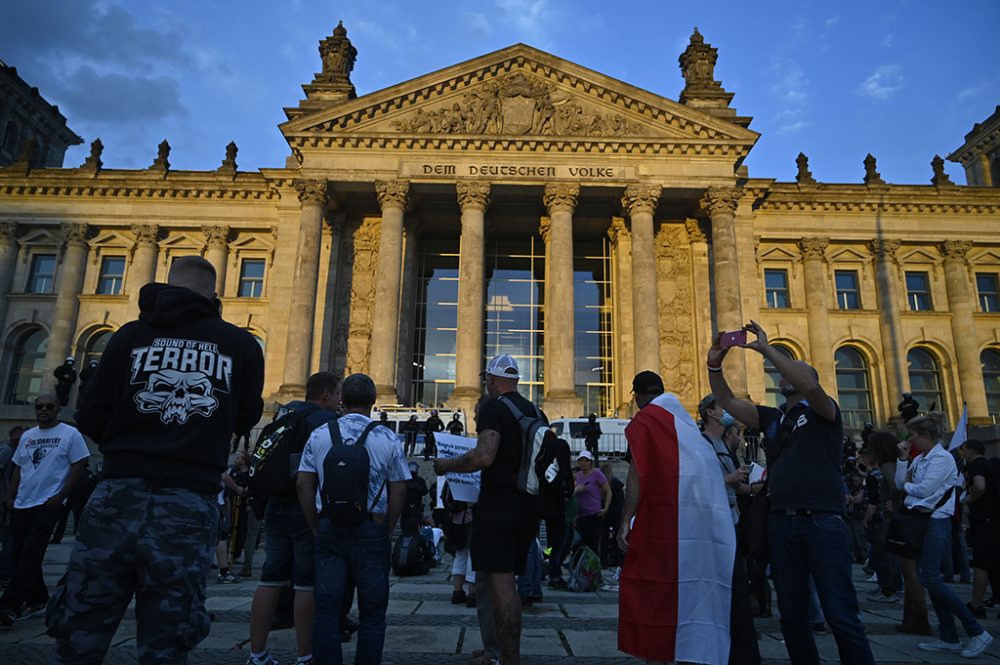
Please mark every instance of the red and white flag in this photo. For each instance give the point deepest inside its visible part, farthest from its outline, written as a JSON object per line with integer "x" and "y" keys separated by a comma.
{"x": 675, "y": 590}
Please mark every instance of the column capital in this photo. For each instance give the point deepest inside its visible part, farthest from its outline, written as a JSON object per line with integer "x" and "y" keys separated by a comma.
{"x": 618, "y": 231}
{"x": 813, "y": 248}
{"x": 75, "y": 234}
{"x": 312, "y": 191}
{"x": 721, "y": 200}
{"x": 955, "y": 250}
{"x": 145, "y": 234}
{"x": 641, "y": 198}
{"x": 8, "y": 232}
{"x": 545, "y": 228}
{"x": 216, "y": 236}
{"x": 694, "y": 231}
{"x": 474, "y": 194}
{"x": 392, "y": 193}
{"x": 561, "y": 195}
{"x": 884, "y": 248}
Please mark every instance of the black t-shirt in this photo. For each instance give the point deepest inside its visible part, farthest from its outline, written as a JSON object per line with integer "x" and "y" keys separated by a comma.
{"x": 497, "y": 485}
{"x": 807, "y": 475}
{"x": 984, "y": 508}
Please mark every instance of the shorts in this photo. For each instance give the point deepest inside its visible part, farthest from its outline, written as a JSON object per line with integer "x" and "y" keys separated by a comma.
{"x": 289, "y": 547}
{"x": 500, "y": 539}
{"x": 225, "y": 525}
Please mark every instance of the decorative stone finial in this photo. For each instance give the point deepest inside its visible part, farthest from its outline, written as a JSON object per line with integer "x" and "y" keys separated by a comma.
{"x": 93, "y": 162}
{"x": 162, "y": 161}
{"x": 338, "y": 57}
{"x": 229, "y": 163}
{"x": 701, "y": 90}
{"x": 872, "y": 176}
{"x": 940, "y": 178}
{"x": 804, "y": 175}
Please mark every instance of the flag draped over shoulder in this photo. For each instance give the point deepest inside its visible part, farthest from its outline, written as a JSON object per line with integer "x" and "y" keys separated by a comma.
{"x": 675, "y": 591}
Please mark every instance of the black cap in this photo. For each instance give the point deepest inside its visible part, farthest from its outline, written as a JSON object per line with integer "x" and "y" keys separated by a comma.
{"x": 647, "y": 383}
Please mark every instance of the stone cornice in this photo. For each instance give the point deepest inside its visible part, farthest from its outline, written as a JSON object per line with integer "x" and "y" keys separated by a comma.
{"x": 895, "y": 199}
{"x": 561, "y": 196}
{"x": 475, "y": 194}
{"x": 139, "y": 184}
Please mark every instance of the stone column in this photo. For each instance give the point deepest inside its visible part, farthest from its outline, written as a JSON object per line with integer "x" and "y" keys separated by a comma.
{"x": 392, "y": 197}
{"x": 561, "y": 400}
{"x": 889, "y": 305}
{"x": 721, "y": 204}
{"x": 820, "y": 349}
{"x": 142, "y": 266}
{"x": 473, "y": 198}
{"x": 217, "y": 253}
{"x": 640, "y": 202}
{"x": 622, "y": 313}
{"x": 8, "y": 262}
{"x": 702, "y": 286}
{"x": 68, "y": 285}
{"x": 963, "y": 328}
{"x": 545, "y": 231}
{"x": 313, "y": 197}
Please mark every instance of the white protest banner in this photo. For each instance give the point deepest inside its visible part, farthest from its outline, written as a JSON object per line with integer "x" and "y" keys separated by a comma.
{"x": 464, "y": 486}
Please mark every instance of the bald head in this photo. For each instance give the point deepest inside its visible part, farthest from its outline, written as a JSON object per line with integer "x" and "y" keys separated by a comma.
{"x": 195, "y": 273}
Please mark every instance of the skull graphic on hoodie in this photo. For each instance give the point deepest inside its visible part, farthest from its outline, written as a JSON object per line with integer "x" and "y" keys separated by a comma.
{"x": 181, "y": 378}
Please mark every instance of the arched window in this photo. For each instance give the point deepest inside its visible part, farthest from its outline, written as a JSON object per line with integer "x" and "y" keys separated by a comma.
{"x": 925, "y": 380}
{"x": 853, "y": 387}
{"x": 95, "y": 346}
{"x": 991, "y": 379}
{"x": 27, "y": 368}
{"x": 772, "y": 377}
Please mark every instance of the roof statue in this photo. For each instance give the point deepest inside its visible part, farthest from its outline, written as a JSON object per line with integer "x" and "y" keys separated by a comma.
{"x": 804, "y": 175}
{"x": 228, "y": 165}
{"x": 338, "y": 57}
{"x": 93, "y": 162}
{"x": 872, "y": 176}
{"x": 940, "y": 178}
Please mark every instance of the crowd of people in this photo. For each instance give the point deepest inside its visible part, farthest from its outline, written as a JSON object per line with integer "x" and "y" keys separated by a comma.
{"x": 694, "y": 540}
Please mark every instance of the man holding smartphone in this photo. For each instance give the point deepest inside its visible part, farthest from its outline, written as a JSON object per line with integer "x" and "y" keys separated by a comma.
{"x": 807, "y": 533}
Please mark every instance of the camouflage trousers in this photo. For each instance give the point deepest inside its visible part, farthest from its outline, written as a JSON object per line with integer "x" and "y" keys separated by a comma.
{"x": 136, "y": 538}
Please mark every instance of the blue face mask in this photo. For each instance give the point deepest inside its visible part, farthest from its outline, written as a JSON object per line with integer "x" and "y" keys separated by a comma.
{"x": 726, "y": 420}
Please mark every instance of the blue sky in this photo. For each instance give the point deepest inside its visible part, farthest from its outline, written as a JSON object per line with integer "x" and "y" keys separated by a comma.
{"x": 902, "y": 79}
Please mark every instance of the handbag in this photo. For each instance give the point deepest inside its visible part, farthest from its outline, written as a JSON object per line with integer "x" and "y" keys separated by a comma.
{"x": 907, "y": 528}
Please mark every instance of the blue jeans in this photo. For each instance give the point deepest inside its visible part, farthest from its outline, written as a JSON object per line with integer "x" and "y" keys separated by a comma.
{"x": 817, "y": 545}
{"x": 360, "y": 553}
{"x": 529, "y": 584}
{"x": 290, "y": 556}
{"x": 947, "y": 606}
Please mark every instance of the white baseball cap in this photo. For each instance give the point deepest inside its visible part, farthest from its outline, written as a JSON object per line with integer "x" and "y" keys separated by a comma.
{"x": 585, "y": 454}
{"x": 503, "y": 366}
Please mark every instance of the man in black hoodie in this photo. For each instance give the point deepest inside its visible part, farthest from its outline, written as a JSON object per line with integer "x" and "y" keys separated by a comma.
{"x": 169, "y": 392}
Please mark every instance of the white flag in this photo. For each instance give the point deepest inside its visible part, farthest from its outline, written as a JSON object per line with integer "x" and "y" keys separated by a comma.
{"x": 961, "y": 430}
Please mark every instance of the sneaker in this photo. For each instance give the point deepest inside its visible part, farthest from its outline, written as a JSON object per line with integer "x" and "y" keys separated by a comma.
{"x": 30, "y": 612}
{"x": 873, "y": 578}
{"x": 977, "y": 645}
{"x": 938, "y": 645}
{"x": 267, "y": 660}
{"x": 229, "y": 578}
{"x": 458, "y": 597}
{"x": 879, "y": 597}
{"x": 609, "y": 587}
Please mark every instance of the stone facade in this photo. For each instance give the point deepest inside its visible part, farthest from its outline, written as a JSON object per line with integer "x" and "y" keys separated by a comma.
{"x": 33, "y": 133}
{"x": 322, "y": 259}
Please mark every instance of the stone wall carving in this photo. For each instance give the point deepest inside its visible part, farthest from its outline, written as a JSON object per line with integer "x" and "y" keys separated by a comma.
{"x": 517, "y": 104}
{"x": 365, "y": 255}
{"x": 617, "y": 230}
{"x": 674, "y": 276}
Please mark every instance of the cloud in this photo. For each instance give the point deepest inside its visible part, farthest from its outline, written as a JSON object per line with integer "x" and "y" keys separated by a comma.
{"x": 887, "y": 40}
{"x": 114, "y": 97}
{"x": 790, "y": 83}
{"x": 886, "y": 81}
{"x": 479, "y": 22}
{"x": 832, "y": 21}
{"x": 529, "y": 17}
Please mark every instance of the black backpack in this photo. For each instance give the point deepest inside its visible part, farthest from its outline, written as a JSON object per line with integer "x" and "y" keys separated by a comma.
{"x": 345, "y": 479}
{"x": 555, "y": 475}
{"x": 536, "y": 447}
{"x": 408, "y": 556}
{"x": 277, "y": 453}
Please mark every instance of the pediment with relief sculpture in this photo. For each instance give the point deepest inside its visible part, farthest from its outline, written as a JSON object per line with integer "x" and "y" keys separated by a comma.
{"x": 518, "y": 92}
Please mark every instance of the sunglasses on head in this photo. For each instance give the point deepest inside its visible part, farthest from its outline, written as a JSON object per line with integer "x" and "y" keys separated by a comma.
{"x": 45, "y": 405}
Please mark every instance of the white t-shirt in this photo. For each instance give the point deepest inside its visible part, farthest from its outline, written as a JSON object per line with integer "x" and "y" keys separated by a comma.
{"x": 44, "y": 457}
{"x": 386, "y": 460}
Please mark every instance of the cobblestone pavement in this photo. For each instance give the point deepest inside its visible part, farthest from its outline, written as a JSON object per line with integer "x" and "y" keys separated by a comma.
{"x": 425, "y": 628}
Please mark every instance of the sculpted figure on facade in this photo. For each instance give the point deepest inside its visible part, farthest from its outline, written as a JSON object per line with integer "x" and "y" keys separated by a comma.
{"x": 804, "y": 176}
{"x": 676, "y": 309}
{"x": 366, "y": 241}
{"x": 617, "y": 230}
{"x": 93, "y": 162}
{"x": 162, "y": 161}
{"x": 338, "y": 56}
{"x": 229, "y": 163}
{"x": 698, "y": 64}
{"x": 519, "y": 105}
{"x": 940, "y": 178}
{"x": 872, "y": 176}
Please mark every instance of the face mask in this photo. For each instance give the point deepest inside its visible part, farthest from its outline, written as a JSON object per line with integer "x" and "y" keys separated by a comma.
{"x": 726, "y": 420}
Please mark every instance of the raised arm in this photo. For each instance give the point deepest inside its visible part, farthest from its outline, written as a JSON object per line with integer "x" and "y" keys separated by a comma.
{"x": 741, "y": 409}
{"x": 477, "y": 459}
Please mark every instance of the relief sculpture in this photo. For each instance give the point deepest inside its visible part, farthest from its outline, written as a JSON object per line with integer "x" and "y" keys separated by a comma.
{"x": 363, "y": 294}
{"x": 674, "y": 291}
{"x": 519, "y": 105}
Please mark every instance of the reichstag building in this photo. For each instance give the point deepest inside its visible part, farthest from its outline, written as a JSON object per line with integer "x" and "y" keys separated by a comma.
{"x": 521, "y": 203}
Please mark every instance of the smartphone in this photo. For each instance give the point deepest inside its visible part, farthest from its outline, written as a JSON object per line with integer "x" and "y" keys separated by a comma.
{"x": 734, "y": 338}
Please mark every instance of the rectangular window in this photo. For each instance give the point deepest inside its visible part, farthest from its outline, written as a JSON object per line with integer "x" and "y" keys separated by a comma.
{"x": 251, "y": 278}
{"x": 848, "y": 296}
{"x": 41, "y": 278}
{"x": 988, "y": 286}
{"x": 112, "y": 272}
{"x": 776, "y": 288}
{"x": 918, "y": 291}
